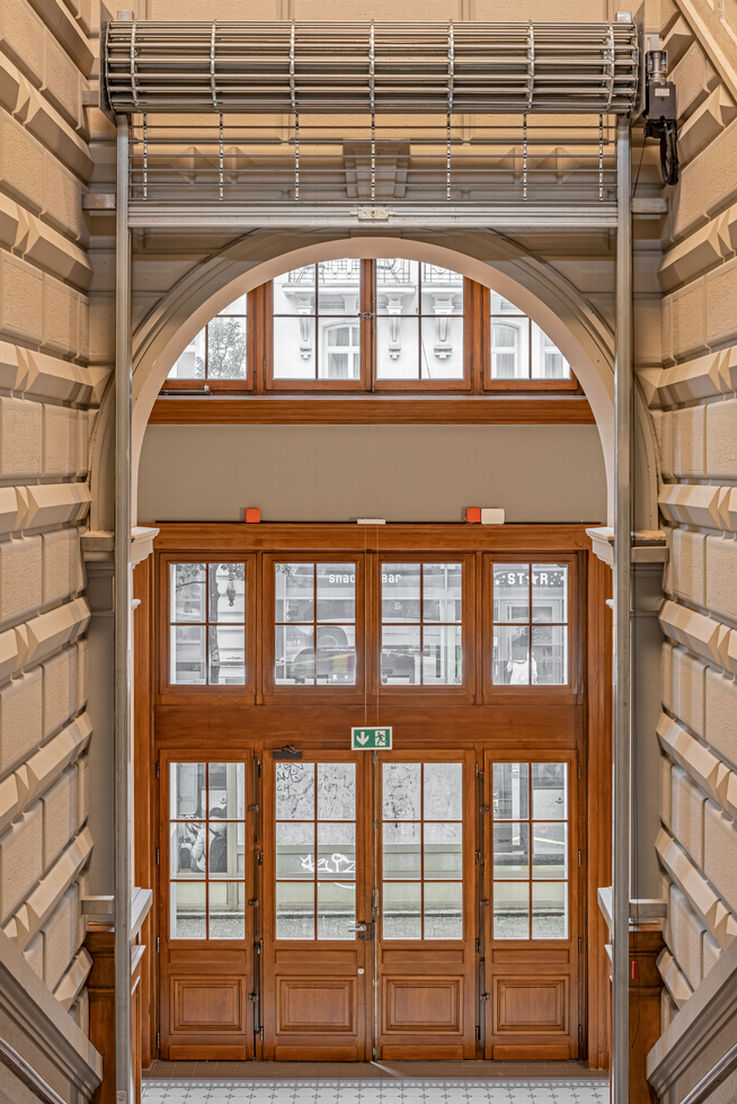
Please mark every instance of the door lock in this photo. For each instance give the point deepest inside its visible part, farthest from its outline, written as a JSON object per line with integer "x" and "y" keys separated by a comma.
{"x": 364, "y": 931}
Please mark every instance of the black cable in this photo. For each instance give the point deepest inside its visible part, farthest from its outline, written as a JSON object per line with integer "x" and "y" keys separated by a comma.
{"x": 669, "y": 151}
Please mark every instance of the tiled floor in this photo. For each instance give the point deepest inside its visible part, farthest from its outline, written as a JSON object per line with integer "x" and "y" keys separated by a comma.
{"x": 374, "y": 1083}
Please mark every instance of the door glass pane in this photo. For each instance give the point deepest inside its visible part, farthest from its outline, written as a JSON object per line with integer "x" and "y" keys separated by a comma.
{"x": 443, "y": 910}
{"x": 511, "y": 910}
{"x": 336, "y": 910}
{"x": 228, "y": 592}
{"x": 401, "y": 850}
{"x": 549, "y": 791}
{"x": 400, "y": 654}
{"x": 226, "y": 856}
{"x": 187, "y": 591}
{"x": 208, "y": 613}
{"x": 550, "y": 654}
{"x": 227, "y": 912}
{"x": 336, "y": 592}
{"x": 227, "y": 790}
{"x": 188, "y": 654}
{"x": 511, "y": 791}
{"x": 511, "y": 593}
{"x": 188, "y": 788}
{"x": 295, "y": 791}
{"x": 188, "y": 850}
{"x": 294, "y": 655}
{"x": 400, "y": 786}
{"x": 402, "y": 910}
{"x": 442, "y": 791}
{"x": 549, "y": 850}
{"x": 188, "y": 904}
{"x": 550, "y": 592}
{"x": 295, "y": 910}
{"x": 295, "y": 849}
{"x": 443, "y": 850}
{"x": 336, "y": 850}
{"x": 400, "y": 592}
{"x": 294, "y": 589}
{"x": 226, "y": 655}
{"x": 549, "y": 910}
{"x": 442, "y": 655}
{"x": 336, "y": 654}
{"x": 442, "y": 591}
{"x": 512, "y": 850}
{"x": 336, "y": 791}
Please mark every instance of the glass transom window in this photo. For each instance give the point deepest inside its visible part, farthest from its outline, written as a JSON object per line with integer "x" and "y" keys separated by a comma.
{"x": 530, "y": 850}
{"x": 520, "y": 350}
{"x": 218, "y": 351}
{"x": 421, "y": 615}
{"x": 315, "y": 624}
{"x": 530, "y": 624}
{"x": 419, "y": 321}
{"x": 316, "y": 322}
{"x": 207, "y": 624}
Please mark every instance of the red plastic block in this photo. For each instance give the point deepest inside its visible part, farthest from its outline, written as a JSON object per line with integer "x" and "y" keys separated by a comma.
{"x": 473, "y": 515}
{"x": 253, "y": 514}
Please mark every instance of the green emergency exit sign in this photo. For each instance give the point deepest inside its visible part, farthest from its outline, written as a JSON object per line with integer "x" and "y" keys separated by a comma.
{"x": 371, "y": 739}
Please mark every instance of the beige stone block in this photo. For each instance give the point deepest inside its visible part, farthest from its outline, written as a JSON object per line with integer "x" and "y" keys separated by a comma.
{"x": 688, "y": 690}
{"x": 62, "y": 565}
{"x": 696, "y": 632}
{"x": 60, "y": 317}
{"x": 14, "y": 225}
{"x": 721, "y": 294}
{"x": 721, "y": 439}
{"x": 12, "y": 794}
{"x": 707, "y": 905}
{"x": 60, "y": 815}
{"x": 721, "y": 573}
{"x": 720, "y": 187}
{"x": 728, "y": 229}
{"x": 687, "y": 816}
{"x": 728, "y": 794}
{"x": 83, "y": 444}
{"x": 21, "y": 299}
{"x": 13, "y": 507}
{"x": 23, "y": 38}
{"x": 690, "y": 380}
{"x": 720, "y": 847}
{"x": 83, "y": 794}
{"x": 693, "y": 76}
{"x": 62, "y": 937}
{"x": 82, "y": 671}
{"x": 687, "y": 210}
{"x": 697, "y": 253}
{"x": 60, "y": 689}
{"x": 10, "y": 369}
{"x": 49, "y": 377}
{"x": 676, "y": 983}
{"x": 689, "y": 428}
{"x": 46, "y": 124}
{"x": 34, "y": 955}
{"x": 686, "y": 566}
{"x": 666, "y": 792}
{"x": 701, "y": 765}
{"x": 666, "y": 329}
{"x": 666, "y": 676}
{"x": 47, "y": 894}
{"x": 20, "y": 860}
{"x": 10, "y": 652}
{"x": 68, "y": 989}
{"x": 20, "y": 578}
{"x": 20, "y": 439}
{"x": 63, "y": 83}
{"x": 20, "y": 158}
{"x": 663, "y": 427}
{"x": 56, "y": 254}
{"x": 61, "y": 440}
{"x": 728, "y": 369}
{"x": 706, "y": 123}
{"x": 691, "y": 504}
{"x": 47, "y": 764}
{"x": 62, "y": 200}
{"x": 689, "y": 319}
{"x": 710, "y": 953}
{"x": 684, "y": 931}
{"x": 102, "y": 332}
{"x": 49, "y": 633}
{"x": 727, "y": 648}
{"x": 721, "y": 715}
{"x": 21, "y": 719}
{"x": 55, "y": 504}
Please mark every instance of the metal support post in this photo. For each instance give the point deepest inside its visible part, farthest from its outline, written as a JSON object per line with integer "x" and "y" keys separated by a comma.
{"x": 622, "y": 606}
{"x": 123, "y": 848}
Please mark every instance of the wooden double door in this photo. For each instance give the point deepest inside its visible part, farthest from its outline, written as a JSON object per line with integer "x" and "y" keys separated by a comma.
{"x": 338, "y": 906}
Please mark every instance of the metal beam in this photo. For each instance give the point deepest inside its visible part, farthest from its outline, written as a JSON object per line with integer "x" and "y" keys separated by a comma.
{"x": 622, "y": 622}
{"x": 123, "y": 846}
{"x": 231, "y": 219}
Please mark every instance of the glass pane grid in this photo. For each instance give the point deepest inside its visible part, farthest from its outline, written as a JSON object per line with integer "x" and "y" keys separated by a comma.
{"x": 207, "y": 864}
{"x": 218, "y": 350}
{"x": 316, "y": 857}
{"x": 315, "y": 624}
{"x": 421, "y": 623}
{"x": 422, "y": 856}
{"x": 520, "y": 349}
{"x": 207, "y": 612}
{"x": 419, "y": 321}
{"x": 530, "y": 624}
{"x": 316, "y": 331}
{"x": 529, "y": 853}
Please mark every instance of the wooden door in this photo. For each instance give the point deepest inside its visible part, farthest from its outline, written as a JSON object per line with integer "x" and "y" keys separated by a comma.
{"x": 208, "y": 891}
{"x": 531, "y": 887}
{"x": 425, "y": 956}
{"x": 317, "y": 921}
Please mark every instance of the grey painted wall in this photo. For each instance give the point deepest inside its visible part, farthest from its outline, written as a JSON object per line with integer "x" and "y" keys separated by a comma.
{"x": 401, "y": 473}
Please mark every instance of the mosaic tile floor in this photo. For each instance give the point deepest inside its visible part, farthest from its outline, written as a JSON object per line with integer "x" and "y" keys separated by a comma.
{"x": 385, "y": 1091}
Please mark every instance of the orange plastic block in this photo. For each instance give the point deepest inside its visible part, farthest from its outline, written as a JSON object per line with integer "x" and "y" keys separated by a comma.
{"x": 473, "y": 515}
{"x": 253, "y": 514}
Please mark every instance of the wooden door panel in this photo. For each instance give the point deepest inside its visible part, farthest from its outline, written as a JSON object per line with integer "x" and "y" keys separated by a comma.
{"x": 523, "y": 1005}
{"x": 423, "y": 1004}
{"x": 207, "y": 1004}
{"x": 316, "y": 1006}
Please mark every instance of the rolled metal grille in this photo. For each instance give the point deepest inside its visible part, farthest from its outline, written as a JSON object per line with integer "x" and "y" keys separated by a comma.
{"x": 371, "y": 68}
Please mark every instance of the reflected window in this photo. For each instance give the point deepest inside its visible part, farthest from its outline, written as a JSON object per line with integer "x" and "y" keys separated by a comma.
{"x": 422, "y": 850}
{"x": 530, "y": 851}
{"x": 218, "y": 351}
{"x": 520, "y": 350}
{"x": 530, "y": 624}
{"x": 207, "y": 604}
{"x": 315, "y": 624}
{"x": 421, "y": 624}
{"x": 315, "y": 322}
{"x": 207, "y": 851}
{"x": 315, "y": 850}
{"x": 419, "y": 321}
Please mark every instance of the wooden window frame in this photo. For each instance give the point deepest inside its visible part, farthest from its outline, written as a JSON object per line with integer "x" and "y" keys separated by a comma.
{"x": 208, "y": 385}
{"x": 513, "y": 386}
{"x": 174, "y": 693}
{"x": 318, "y": 693}
{"x": 569, "y": 692}
{"x": 463, "y": 691}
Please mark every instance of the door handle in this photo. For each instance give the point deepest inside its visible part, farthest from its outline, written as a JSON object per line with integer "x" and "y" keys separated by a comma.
{"x": 364, "y": 931}
{"x": 358, "y": 927}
